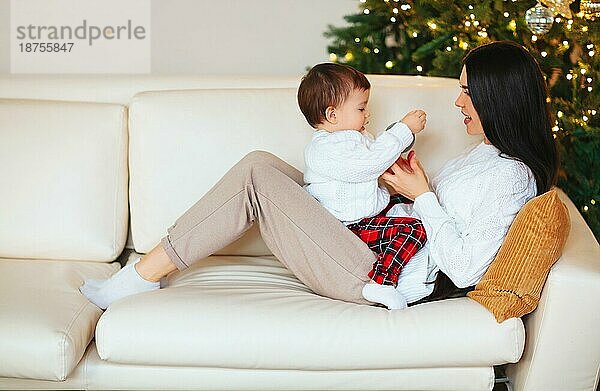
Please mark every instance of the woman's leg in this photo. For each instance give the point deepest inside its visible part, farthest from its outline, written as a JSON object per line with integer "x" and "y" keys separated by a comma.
{"x": 155, "y": 265}
{"x": 304, "y": 236}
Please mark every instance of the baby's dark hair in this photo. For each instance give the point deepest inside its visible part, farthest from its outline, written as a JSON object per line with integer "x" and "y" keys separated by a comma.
{"x": 325, "y": 85}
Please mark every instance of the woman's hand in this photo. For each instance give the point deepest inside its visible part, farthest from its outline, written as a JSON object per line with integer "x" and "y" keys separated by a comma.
{"x": 410, "y": 185}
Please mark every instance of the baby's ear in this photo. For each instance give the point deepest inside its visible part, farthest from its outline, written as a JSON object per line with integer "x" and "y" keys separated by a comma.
{"x": 330, "y": 115}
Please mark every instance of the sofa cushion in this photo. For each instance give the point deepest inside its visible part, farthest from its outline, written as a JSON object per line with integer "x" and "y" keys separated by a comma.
{"x": 63, "y": 167}
{"x": 189, "y": 139}
{"x": 513, "y": 284}
{"x": 45, "y": 323}
{"x": 251, "y": 312}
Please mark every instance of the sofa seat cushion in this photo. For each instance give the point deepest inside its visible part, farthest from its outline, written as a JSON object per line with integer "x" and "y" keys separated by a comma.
{"x": 251, "y": 312}
{"x": 45, "y": 323}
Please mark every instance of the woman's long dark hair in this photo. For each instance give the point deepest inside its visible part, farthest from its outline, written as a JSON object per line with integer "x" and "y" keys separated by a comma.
{"x": 509, "y": 93}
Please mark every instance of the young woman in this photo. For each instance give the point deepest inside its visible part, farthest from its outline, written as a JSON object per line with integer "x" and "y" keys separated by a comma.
{"x": 466, "y": 209}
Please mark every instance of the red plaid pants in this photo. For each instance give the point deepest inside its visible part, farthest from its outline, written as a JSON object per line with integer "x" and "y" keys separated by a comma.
{"x": 394, "y": 239}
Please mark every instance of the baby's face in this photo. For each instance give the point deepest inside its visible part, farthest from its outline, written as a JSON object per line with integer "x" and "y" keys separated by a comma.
{"x": 353, "y": 113}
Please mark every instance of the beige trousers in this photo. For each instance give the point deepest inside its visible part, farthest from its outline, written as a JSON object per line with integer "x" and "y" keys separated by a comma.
{"x": 316, "y": 247}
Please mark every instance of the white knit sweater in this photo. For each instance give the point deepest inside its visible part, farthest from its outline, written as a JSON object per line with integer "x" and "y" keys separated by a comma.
{"x": 342, "y": 169}
{"x": 473, "y": 201}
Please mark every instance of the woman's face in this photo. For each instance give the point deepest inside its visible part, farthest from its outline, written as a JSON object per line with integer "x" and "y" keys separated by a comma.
{"x": 465, "y": 104}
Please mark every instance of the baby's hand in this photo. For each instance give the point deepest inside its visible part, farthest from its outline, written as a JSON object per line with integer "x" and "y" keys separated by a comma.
{"x": 415, "y": 120}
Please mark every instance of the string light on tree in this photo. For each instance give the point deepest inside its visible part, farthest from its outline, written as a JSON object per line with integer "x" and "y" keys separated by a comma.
{"x": 590, "y": 8}
{"x": 559, "y": 7}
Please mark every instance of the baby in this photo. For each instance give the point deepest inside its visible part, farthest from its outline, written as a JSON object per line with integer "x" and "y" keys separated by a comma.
{"x": 343, "y": 164}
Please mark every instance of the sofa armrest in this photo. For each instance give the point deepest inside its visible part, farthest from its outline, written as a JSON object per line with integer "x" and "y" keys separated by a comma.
{"x": 562, "y": 343}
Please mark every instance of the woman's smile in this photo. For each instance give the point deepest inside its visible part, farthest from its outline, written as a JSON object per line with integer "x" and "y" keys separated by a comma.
{"x": 467, "y": 119}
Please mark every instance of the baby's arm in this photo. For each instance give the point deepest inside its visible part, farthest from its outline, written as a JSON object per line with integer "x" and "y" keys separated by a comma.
{"x": 350, "y": 157}
{"x": 415, "y": 120}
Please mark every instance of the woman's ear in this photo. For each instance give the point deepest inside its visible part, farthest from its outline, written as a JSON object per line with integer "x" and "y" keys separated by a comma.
{"x": 330, "y": 115}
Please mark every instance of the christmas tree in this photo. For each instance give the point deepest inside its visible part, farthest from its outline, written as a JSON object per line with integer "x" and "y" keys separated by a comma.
{"x": 430, "y": 37}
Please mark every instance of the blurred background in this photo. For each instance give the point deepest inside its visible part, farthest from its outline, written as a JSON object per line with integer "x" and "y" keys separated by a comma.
{"x": 217, "y": 37}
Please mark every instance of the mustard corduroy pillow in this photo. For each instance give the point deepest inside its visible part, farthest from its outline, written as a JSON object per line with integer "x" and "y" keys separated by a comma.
{"x": 512, "y": 285}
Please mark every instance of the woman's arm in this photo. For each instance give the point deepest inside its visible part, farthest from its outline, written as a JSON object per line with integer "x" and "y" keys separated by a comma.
{"x": 409, "y": 184}
{"x": 464, "y": 254}
{"x": 349, "y": 158}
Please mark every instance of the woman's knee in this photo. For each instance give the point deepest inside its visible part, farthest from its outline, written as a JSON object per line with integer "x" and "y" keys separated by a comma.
{"x": 258, "y": 156}
{"x": 257, "y": 167}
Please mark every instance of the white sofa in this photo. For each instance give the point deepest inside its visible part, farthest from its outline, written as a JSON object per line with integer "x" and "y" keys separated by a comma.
{"x": 95, "y": 168}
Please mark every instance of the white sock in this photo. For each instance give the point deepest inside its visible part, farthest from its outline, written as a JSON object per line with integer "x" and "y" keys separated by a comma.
{"x": 384, "y": 294}
{"x": 123, "y": 283}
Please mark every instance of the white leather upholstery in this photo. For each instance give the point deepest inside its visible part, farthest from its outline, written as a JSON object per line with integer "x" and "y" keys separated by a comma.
{"x": 45, "y": 323}
{"x": 187, "y": 325}
{"x": 120, "y": 88}
{"x": 95, "y": 374}
{"x": 63, "y": 167}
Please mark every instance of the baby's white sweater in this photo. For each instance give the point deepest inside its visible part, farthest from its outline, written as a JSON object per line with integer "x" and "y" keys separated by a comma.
{"x": 474, "y": 199}
{"x": 342, "y": 169}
